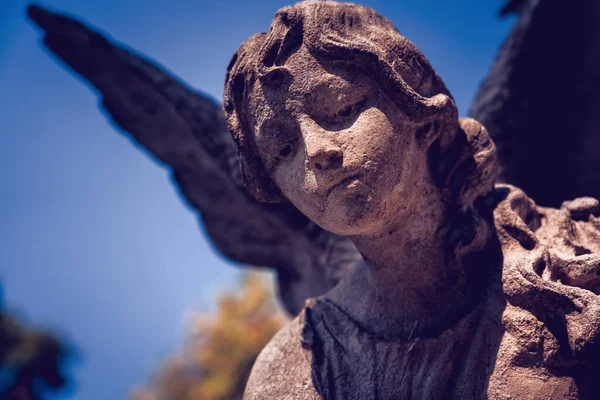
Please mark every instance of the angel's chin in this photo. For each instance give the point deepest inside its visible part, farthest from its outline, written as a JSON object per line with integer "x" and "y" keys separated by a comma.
{"x": 351, "y": 210}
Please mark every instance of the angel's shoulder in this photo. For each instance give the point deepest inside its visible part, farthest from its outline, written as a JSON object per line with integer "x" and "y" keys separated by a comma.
{"x": 282, "y": 370}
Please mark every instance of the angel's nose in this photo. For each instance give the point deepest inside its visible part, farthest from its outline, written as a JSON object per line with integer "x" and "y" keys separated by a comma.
{"x": 326, "y": 156}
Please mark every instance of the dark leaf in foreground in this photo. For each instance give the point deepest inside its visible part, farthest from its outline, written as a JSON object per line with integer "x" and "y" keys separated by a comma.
{"x": 31, "y": 361}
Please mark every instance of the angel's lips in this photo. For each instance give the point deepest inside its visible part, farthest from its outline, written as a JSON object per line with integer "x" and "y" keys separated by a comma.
{"x": 353, "y": 197}
{"x": 344, "y": 183}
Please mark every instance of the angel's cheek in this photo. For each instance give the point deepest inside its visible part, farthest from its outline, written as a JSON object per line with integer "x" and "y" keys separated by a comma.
{"x": 300, "y": 187}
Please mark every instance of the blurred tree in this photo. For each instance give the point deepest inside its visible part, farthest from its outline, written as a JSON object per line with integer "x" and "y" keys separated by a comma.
{"x": 30, "y": 360}
{"x": 220, "y": 350}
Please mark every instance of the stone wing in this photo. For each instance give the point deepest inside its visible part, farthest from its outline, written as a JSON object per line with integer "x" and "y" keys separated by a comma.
{"x": 540, "y": 104}
{"x": 186, "y": 132}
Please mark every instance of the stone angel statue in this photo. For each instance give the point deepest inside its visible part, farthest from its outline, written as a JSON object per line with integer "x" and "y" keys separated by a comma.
{"x": 371, "y": 197}
{"x": 186, "y": 132}
{"x": 465, "y": 290}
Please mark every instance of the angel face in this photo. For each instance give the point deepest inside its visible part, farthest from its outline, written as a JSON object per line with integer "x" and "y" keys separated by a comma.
{"x": 338, "y": 148}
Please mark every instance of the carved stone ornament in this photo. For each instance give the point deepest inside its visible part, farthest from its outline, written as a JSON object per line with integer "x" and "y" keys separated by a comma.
{"x": 466, "y": 290}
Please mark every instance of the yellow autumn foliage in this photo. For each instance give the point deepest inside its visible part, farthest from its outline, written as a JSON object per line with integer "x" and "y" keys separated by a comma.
{"x": 220, "y": 350}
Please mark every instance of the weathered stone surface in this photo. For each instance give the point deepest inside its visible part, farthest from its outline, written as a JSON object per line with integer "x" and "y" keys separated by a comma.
{"x": 466, "y": 290}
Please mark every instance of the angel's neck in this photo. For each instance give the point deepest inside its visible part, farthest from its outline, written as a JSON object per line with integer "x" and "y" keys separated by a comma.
{"x": 408, "y": 277}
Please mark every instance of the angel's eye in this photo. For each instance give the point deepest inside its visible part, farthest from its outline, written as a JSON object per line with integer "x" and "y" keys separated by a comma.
{"x": 286, "y": 150}
{"x": 345, "y": 112}
{"x": 351, "y": 110}
{"x": 277, "y": 142}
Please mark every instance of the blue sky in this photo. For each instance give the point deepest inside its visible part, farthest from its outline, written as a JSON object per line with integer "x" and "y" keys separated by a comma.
{"x": 95, "y": 243}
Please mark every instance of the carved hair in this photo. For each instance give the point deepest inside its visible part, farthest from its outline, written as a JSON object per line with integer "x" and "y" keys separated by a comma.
{"x": 347, "y": 33}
